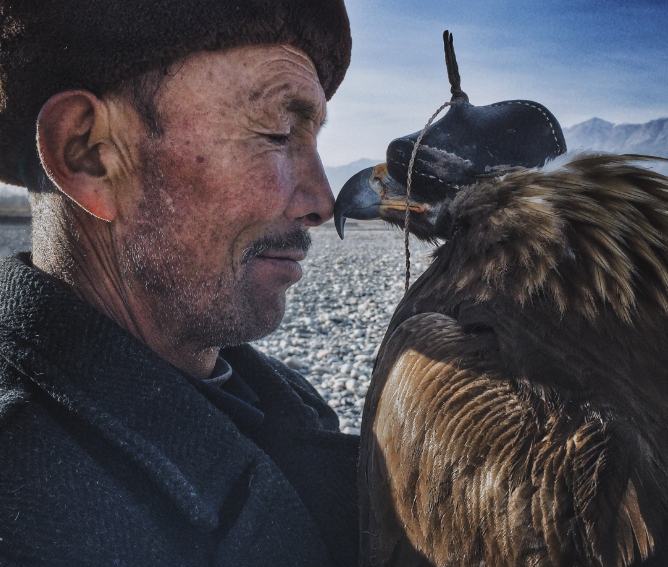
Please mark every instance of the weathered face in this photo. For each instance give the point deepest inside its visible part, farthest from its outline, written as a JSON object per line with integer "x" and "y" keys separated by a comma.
{"x": 227, "y": 192}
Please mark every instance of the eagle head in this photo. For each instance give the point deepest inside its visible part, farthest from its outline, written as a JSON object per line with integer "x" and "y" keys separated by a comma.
{"x": 519, "y": 217}
{"x": 468, "y": 144}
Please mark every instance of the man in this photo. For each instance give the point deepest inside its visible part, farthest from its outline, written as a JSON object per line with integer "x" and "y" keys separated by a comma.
{"x": 170, "y": 154}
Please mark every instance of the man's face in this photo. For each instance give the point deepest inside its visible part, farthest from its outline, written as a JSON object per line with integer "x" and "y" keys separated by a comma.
{"x": 213, "y": 235}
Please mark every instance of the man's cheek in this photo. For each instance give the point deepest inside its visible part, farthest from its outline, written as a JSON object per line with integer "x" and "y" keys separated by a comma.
{"x": 193, "y": 168}
{"x": 263, "y": 197}
{"x": 278, "y": 180}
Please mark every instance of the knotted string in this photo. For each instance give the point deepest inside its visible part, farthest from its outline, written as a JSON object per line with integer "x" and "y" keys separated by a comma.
{"x": 416, "y": 147}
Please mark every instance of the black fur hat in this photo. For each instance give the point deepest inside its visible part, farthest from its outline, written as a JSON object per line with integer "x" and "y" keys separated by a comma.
{"x": 48, "y": 46}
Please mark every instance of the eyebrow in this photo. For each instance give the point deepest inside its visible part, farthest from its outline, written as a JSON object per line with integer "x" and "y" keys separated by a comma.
{"x": 305, "y": 109}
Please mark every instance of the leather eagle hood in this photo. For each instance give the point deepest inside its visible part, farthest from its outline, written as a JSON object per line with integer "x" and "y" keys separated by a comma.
{"x": 470, "y": 141}
{"x": 48, "y": 46}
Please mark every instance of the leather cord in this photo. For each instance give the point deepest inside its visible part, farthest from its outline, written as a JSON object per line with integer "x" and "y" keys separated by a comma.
{"x": 457, "y": 93}
{"x": 416, "y": 147}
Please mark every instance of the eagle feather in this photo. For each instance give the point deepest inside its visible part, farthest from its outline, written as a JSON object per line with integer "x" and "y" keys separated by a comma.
{"x": 518, "y": 411}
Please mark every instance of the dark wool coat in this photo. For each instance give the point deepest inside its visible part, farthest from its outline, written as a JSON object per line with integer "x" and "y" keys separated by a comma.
{"x": 109, "y": 456}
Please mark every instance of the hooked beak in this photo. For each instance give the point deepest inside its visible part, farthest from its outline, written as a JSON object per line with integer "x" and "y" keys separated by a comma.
{"x": 356, "y": 200}
{"x": 372, "y": 194}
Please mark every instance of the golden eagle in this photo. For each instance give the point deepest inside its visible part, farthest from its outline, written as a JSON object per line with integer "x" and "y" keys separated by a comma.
{"x": 518, "y": 411}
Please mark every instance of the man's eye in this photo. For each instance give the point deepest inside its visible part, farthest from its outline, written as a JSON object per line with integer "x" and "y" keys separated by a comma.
{"x": 279, "y": 138}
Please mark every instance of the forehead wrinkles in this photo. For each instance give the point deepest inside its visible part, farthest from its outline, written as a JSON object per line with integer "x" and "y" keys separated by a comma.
{"x": 284, "y": 78}
{"x": 291, "y": 59}
{"x": 252, "y": 71}
{"x": 283, "y": 96}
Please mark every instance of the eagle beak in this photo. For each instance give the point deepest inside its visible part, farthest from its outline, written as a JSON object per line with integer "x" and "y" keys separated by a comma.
{"x": 357, "y": 200}
{"x": 373, "y": 194}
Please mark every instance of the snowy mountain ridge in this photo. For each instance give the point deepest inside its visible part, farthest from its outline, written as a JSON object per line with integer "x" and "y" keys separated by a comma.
{"x": 650, "y": 138}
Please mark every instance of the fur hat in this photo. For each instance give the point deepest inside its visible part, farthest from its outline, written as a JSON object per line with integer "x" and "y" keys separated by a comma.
{"x": 48, "y": 46}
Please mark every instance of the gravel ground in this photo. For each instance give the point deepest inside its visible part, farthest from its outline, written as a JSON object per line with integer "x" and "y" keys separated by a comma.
{"x": 336, "y": 315}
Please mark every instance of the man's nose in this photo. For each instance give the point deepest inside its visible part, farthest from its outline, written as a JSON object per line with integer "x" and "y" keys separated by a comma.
{"x": 313, "y": 200}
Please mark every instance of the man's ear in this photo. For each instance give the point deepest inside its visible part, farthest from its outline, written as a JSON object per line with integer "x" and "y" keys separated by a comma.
{"x": 71, "y": 128}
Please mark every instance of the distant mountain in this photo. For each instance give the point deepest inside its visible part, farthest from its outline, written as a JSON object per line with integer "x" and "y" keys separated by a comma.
{"x": 337, "y": 176}
{"x": 650, "y": 138}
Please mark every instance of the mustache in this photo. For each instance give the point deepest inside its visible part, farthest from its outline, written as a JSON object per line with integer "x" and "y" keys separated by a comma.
{"x": 298, "y": 239}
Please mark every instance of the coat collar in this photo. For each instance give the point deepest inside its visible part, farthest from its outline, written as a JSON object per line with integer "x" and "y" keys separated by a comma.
{"x": 135, "y": 399}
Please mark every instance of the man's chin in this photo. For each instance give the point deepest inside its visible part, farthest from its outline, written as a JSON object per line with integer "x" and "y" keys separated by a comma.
{"x": 260, "y": 317}
{"x": 256, "y": 331}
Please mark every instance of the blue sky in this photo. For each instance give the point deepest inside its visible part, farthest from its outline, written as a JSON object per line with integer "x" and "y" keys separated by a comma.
{"x": 579, "y": 58}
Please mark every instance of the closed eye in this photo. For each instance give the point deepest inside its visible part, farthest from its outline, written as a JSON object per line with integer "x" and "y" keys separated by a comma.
{"x": 280, "y": 139}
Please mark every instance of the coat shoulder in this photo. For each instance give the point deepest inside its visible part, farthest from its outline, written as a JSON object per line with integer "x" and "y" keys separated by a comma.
{"x": 257, "y": 367}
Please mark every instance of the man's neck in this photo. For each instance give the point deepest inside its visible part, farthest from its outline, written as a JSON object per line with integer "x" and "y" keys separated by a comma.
{"x": 87, "y": 264}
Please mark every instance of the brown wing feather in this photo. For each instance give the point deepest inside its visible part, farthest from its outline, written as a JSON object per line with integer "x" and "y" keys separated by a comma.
{"x": 518, "y": 412}
{"x": 463, "y": 466}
